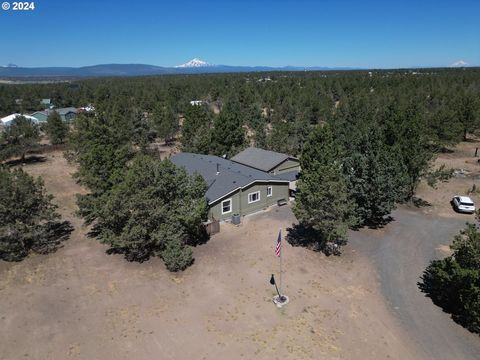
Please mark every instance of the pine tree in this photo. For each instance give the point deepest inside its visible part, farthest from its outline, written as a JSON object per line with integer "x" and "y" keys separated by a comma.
{"x": 196, "y": 134}
{"x": 454, "y": 282}
{"x": 29, "y": 221}
{"x": 56, "y": 129}
{"x": 157, "y": 210}
{"x": 228, "y": 136}
{"x": 322, "y": 201}
{"x": 374, "y": 173}
{"x": 165, "y": 122}
{"x": 18, "y": 137}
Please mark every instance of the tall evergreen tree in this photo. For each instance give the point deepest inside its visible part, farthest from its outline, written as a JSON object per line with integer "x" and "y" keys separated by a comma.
{"x": 56, "y": 129}
{"x": 196, "y": 134}
{"x": 165, "y": 122}
{"x": 375, "y": 177}
{"x": 228, "y": 135}
{"x": 322, "y": 201}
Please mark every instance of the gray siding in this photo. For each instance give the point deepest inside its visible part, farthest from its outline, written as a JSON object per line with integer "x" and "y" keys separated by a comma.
{"x": 240, "y": 203}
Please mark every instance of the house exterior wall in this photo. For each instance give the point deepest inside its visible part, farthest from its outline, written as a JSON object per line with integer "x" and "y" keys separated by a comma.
{"x": 240, "y": 203}
{"x": 286, "y": 166}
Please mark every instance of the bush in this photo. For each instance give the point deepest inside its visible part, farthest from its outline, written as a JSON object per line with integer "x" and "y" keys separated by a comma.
{"x": 29, "y": 220}
{"x": 177, "y": 256}
{"x": 453, "y": 283}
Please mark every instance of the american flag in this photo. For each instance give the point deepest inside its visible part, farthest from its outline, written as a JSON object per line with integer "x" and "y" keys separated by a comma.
{"x": 278, "y": 245}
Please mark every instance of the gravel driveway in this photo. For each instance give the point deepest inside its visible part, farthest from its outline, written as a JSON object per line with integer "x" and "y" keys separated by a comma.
{"x": 400, "y": 252}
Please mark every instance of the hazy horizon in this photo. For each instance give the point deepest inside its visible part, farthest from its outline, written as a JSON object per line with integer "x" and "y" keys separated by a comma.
{"x": 370, "y": 34}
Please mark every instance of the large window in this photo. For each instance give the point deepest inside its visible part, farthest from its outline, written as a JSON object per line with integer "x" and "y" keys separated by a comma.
{"x": 254, "y": 197}
{"x": 269, "y": 191}
{"x": 226, "y": 206}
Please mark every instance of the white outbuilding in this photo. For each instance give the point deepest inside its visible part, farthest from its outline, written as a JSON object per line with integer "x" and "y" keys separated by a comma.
{"x": 7, "y": 120}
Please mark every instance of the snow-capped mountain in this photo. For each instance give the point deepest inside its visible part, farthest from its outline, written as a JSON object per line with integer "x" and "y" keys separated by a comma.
{"x": 459, "y": 63}
{"x": 194, "y": 63}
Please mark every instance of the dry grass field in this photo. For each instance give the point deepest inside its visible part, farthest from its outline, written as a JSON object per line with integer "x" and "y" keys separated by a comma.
{"x": 80, "y": 303}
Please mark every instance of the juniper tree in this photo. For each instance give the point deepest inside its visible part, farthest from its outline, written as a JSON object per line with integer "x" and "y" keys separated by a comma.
{"x": 56, "y": 129}
{"x": 157, "y": 210}
{"x": 454, "y": 282}
{"x": 322, "y": 201}
{"x": 18, "y": 137}
{"x": 29, "y": 220}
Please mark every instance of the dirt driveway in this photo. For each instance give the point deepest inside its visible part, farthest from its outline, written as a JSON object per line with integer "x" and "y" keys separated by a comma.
{"x": 400, "y": 252}
{"x": 80, "y": 303}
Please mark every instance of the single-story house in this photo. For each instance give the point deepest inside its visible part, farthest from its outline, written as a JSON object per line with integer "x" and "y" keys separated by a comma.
{"x": 67, "y": 114}
{"x": 233, "y": 188}
{"x": 7, "y": 120}
{"x": 283, "y": 166}
{"x": 46, "y": 103}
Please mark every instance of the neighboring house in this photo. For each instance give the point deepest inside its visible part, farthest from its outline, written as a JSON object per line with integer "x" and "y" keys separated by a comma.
{"x": 66, "y": 114}
{"x": 7, "y": 120}
{"x": 46, "y": 103}
{"x": 233, "y": 188}
{"x": 283, "y": 166}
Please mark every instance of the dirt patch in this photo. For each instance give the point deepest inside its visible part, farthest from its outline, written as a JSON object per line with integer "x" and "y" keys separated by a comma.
{"x": 81, "y": 303}
{"x": 462, "y": 158}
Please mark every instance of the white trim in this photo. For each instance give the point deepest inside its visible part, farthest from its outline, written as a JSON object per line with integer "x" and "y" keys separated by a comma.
{"x": 252, "y": 193}
{"x": 243, "y": 187}
{"x": 269, "y": 190}
{"x": 231, "y": 206}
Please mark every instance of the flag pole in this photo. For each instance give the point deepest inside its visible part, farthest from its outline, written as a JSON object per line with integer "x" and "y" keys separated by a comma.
{"x": 281, "y": 251}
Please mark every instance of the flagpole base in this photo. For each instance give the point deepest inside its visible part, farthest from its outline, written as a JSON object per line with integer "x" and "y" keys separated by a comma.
{"x": 281, "y": 300}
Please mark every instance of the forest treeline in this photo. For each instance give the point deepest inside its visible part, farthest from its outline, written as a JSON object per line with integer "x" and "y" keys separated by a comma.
{"x": 364, "y": 139}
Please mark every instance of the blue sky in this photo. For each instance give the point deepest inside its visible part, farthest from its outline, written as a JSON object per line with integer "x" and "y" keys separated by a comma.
{"x": 373, "y": 34}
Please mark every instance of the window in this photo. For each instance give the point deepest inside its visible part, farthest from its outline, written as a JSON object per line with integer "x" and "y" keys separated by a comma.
{"x": 269, "y": 191}
{"x": 254, "y": 197}
{"x": 226, "y": 206}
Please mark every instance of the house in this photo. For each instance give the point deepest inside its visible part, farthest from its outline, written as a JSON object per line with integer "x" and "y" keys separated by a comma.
{"x": 46, "y": 103}
{"x": 7, "y": 120}
{"x": 233, "y": 188}
{"x": 196, "y": 102}
{"x": 67, "y": 114}
{"x": 281, "y": 165}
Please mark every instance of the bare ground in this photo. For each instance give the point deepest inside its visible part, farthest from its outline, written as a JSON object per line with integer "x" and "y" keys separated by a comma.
{"x": 81, "y": 303}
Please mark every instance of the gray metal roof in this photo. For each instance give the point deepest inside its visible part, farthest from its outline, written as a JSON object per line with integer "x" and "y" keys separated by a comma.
{"x": 60, "y": 111}
{"x": 231, "y": 176}
{"x": 289, "y": 175}
{"x": 264, "y": 160}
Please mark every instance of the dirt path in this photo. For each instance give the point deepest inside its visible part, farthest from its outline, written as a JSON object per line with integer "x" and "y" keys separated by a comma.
{"x": 80, "y": 303}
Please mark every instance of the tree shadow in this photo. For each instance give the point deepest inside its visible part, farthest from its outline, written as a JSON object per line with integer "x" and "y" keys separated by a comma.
{"x": 445, "y": 150}
{"x": 380, "y": 223}
{"x": 199, "y": 237}
{"x": 310, "y": 238}
{"x": 420, "y": 203}
{"x": 32, "y": 159}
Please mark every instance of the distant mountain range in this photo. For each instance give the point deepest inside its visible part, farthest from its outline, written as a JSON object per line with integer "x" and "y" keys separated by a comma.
{"x": 194, "y": 66}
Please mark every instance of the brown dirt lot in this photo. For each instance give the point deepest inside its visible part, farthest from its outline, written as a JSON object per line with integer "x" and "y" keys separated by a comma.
{"x": 80, "y": 303}
{"x": 462, "y": 158}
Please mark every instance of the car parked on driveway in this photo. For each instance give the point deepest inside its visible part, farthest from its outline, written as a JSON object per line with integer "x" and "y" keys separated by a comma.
{"x": 463, "y": 204}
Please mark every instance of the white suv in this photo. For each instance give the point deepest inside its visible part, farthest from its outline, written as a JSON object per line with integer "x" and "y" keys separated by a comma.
{"x": 463, "y": 204}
